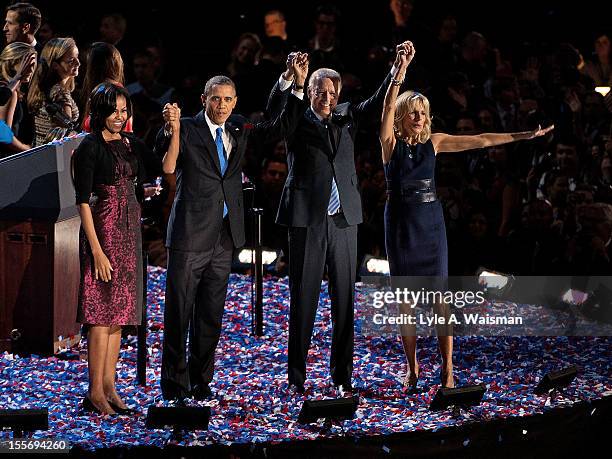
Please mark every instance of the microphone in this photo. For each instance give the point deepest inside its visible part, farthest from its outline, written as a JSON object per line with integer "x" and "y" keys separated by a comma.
{"x": 58, "y": 115}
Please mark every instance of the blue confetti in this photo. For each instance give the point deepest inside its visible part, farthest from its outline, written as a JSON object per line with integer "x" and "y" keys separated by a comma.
{"x": 252, "y": 402}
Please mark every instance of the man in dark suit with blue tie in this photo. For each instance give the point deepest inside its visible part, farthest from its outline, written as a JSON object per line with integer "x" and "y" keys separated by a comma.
{"x": 206, "y": 224}
{"x": 321, "y": 206}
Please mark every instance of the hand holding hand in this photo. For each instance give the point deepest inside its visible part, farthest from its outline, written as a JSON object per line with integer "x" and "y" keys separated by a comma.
{"x": 172, "y": 116}
{"x": 300, "y": 68}
{"x": 102, "y": 267}
{"x": 404, "y": 54}
{"x": 288, "y": 74}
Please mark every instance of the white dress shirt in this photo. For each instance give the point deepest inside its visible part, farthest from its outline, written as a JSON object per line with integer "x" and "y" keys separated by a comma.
{"x": 228, "y": 140}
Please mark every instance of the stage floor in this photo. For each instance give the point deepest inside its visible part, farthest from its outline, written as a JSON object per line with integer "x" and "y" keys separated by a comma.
{"x": 252, "y": 402}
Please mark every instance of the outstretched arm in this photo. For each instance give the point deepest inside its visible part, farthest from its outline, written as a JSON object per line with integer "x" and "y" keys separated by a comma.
{"x": 387, "y": 136}
{"x": 445, "y": 143}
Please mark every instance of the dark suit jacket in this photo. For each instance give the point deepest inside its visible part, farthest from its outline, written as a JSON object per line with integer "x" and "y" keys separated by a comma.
{"x": 313, "y": 162}
{"x": 197, "y": 213}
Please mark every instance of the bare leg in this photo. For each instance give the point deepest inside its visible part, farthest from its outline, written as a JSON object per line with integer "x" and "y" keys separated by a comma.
{"x": 110, "y": 366}
{"x": 408, "y": 333}
{"x": 445, "y": 344}
{"x": 97, "y": 345}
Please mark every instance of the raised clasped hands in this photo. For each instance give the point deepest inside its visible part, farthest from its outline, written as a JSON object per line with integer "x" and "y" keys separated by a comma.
{"x": 404, "y": 54}
{"x": 300, "y": 67}
{"x": 294, "y": 59}
{"x": 172, "y": 116}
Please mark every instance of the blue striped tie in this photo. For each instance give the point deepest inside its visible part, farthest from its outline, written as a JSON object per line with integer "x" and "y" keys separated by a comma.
{"x": 334, "y": 199}
{"x": 222, "y": 159}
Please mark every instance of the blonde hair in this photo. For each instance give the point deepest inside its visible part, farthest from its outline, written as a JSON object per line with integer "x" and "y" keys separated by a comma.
{"x": 46, "y": 77}
{"x": 11, "y": 57}
{"x": 406, "y": 103}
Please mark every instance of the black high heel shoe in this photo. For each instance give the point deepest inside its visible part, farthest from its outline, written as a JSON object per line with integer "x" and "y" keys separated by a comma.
{"x": 444, "y": 376}
{"x": 411, "y": 383}
{"x": 121, "y": 411}
{"x": 88, "y": 406}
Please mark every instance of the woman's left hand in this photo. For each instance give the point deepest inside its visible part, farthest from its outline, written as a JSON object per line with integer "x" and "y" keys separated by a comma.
{"x": 540, "y": 132}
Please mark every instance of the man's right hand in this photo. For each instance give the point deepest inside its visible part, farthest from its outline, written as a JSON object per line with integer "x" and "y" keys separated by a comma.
{"x": 172, "y": 117}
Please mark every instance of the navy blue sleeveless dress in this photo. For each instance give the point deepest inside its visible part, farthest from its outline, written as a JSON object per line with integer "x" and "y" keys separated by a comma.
{"x": 415, "y": 235}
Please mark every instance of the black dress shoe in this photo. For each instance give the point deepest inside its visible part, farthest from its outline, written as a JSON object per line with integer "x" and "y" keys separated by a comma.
{"x": 172, "y": 391}
{"x": 121, "y": 411}
{"x": 345, "y": 387}
{"x": 297, "y": 388}
{"x": 201, "y": 392}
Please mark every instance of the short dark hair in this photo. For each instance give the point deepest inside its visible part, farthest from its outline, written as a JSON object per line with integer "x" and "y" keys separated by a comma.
{"x": 218, "y": 80}
{"x": 103, "y": 101}
{"x": 27, "y": 14}
{"x": 278, "y": 13}
{"x": 272, "y": 159}
{"x": 328, "y": 9}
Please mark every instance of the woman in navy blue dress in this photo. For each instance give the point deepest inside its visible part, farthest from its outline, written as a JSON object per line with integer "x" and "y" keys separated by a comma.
{"x": 415, "y": 234}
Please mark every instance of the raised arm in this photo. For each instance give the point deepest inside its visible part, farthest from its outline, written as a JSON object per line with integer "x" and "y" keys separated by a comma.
{"x": 375, "y": 102}
{"x": 387, "y": 136}
{"x": 172, "y": 117}
{"x": 278, "y": 95}
{"x": 445, "y": 143}
{"x": 286, "y": 120}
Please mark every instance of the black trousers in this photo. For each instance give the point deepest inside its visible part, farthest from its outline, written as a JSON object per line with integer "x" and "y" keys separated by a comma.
{"x": 333, "y": 243}
{"x": 196, "y": 287}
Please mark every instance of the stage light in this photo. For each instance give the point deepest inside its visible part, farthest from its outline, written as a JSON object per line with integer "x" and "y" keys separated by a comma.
{"x": 178, "y": 417}
{"x": 247, "y": 256}
{"x": 494, "y": 283}
{"x": 603, "y": 90}
{"x": 556, "y": 380}
{"x": 338, "y": 409}
{"x": 27, "y": 420}
{"x": 461, "y": 397}
{"x": 574, "y": 297}
{"x": 372, "y": 265}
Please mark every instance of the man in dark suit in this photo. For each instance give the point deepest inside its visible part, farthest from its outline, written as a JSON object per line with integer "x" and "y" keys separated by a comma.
{"x": 205, "y": 225}
{"x": 322, "y": 208}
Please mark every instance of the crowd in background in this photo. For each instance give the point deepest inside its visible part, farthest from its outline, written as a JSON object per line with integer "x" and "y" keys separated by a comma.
{"x": 538, "y": 208}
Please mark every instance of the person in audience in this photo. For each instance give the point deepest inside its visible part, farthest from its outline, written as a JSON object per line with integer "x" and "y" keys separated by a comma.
{"x": 17, "y": 65}
{"x": 21, "y": 23}
{"x": 104, "y": 64}
{"x": 50, "y": 95}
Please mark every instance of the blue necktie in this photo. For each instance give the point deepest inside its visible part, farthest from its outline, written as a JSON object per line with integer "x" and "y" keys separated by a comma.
{"x": 334, "y": 199}
{"x": 222, "y": 159}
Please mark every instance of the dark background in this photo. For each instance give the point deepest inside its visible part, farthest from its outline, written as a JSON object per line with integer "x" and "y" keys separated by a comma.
{"x": 198, "y": 36}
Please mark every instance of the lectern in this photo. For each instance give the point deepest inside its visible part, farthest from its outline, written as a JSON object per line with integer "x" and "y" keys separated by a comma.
{"x": 39, "y": 250}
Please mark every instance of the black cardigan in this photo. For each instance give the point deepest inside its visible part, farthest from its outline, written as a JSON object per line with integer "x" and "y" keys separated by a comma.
{"x": 94, "y": 164}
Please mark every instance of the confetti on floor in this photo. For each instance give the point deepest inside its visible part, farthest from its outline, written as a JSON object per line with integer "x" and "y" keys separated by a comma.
{"x": 252, "y": 402}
